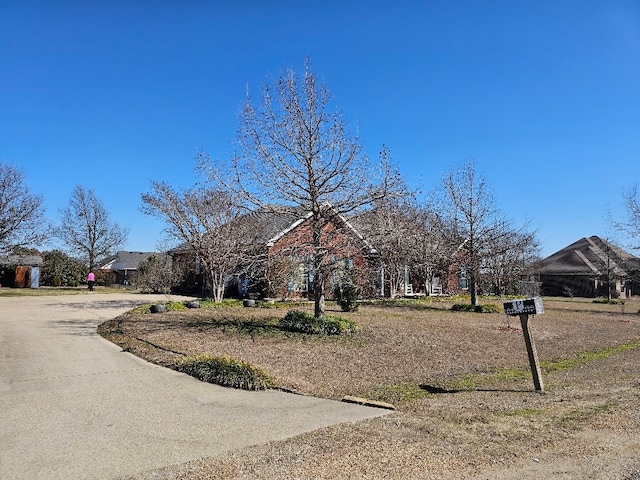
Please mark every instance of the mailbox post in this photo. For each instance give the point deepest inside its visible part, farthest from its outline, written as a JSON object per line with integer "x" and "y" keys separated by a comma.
{"x": 524, "y": 308}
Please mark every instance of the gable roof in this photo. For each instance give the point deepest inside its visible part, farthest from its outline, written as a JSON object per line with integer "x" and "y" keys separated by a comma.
{"x": 308, "y": 215}
{"x": 588, "y": 256}
{"x": 270, "y": 223}
{"x": 125, "y": 260}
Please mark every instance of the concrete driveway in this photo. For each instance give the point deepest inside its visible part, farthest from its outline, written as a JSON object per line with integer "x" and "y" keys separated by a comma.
{"x": 74, "y": 406}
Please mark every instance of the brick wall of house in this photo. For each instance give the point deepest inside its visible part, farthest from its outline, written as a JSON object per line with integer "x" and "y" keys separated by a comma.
{"x": 298, "y": 244}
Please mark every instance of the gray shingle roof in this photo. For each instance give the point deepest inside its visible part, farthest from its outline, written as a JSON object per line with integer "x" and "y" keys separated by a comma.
{"x": 125, "y": 260}
{"x": 270, "y": 222}
{"x": 264, "y": 224}
{"x": 21, "y": 260}
{"x": 588, "y": 256}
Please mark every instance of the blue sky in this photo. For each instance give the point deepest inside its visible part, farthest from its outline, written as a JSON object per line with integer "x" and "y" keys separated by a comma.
{"x": 544, "y": 95}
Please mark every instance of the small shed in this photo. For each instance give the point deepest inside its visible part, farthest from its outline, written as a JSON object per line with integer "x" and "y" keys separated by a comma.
{"x": 20, "y": 271}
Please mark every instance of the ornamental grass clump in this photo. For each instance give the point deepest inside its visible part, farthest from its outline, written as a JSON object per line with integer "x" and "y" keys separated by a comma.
{"x": 226, "y": 371}
{"x": 302, "y": 322}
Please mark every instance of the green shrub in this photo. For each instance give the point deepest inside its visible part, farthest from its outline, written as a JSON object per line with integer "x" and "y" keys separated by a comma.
{"x": 273, "y": 304}
{"x": 145, "y": 308}
{"x": 60, "y": 270}
{"x": 346, "y": 296}
{"x": 487, "y": 308}
{"x": 175, "y": 306}
{"x": 462, "y": 307}
{"x": 225, "y": 371}
{"x": 466, "y": 307}
{"x": 301, "y": 322}
{"x": 613, "y": 301}
{"x": 170, "y": 306}
{"x": 225, "y": 303}
{"x": 338, "y": 325}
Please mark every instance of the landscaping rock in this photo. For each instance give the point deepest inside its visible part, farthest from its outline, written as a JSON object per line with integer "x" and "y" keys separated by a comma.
{"x": 159, "y": 308}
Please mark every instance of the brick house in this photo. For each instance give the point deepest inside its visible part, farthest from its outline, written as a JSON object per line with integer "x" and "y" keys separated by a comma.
{"x": 291, "y": 248}
{"x": 122, "y": 268}
{"x": 282, "y": 238}
{"x": 588, "y": 268}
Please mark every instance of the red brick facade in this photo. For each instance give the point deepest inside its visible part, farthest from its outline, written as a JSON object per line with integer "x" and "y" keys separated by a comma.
{"x": 290, "y": 257}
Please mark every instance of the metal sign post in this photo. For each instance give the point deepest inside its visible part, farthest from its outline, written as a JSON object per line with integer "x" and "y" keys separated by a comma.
{"x": 524, "y": 308}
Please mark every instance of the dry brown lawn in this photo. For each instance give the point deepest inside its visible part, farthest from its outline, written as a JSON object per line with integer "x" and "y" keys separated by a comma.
{"x": 466, "y": 406}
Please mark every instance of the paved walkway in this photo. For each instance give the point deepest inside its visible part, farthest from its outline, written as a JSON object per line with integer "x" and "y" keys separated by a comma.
{"x": 74, "y": 406}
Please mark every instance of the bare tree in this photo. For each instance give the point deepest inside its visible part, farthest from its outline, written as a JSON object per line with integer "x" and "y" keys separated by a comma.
{"x": 207, "y": 221}
{"x": 630, "y": 225}
{"x": 433, "y": 253}
{"x": 405, "y": 242}
{"x": 294, "y": 151}
{"x": 86, "y": 229}
{"x": 469, "y": 217}
{"x": 508, "y": 254}
{"x": 154, "y": 274}
{"x": 21, "y": 212}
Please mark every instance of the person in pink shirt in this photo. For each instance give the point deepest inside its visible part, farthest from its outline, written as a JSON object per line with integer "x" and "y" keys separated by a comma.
{"x": 91, "y": 279}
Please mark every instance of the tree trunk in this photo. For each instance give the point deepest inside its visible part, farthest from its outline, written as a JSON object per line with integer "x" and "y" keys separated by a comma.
{"x": 217, "y": 286}
{"x": 318, "y": 258}
{"x": 319, "y": 297}
{"x": 473, "y": 286}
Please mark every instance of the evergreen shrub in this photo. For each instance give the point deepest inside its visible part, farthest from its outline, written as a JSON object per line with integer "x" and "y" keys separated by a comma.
{"x": 613, "y": 301}
{"x": 302, "y": 322}
{"x": 466, "y": 307}
{"x": 346, "y": 296}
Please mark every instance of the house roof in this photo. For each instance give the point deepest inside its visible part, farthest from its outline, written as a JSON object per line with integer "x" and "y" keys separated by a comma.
{"x": 21, "y": 260}
{"x": 588, "y": 256}
{"x": 301, "y": 219}
{"x": 270, "y": 223}
{"x": 125, "y": 260}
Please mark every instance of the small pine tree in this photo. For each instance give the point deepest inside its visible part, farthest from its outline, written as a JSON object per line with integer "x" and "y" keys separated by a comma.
{"x": 346, "y": 295}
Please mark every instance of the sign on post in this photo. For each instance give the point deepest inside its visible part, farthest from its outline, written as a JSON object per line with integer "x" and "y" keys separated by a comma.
{"x": 532, "y": 306}
{"x": 523, "y": 308}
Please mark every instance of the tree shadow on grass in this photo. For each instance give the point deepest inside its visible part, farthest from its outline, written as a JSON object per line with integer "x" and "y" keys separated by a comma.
{"x": 100, "y": 304}
{"x": 268, "y": 327}
{"x": 152, "y": 322}
{"x": 435, "y": 390}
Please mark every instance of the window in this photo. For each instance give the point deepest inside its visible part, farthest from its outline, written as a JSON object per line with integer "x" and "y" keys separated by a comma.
{"x": 301, "y": 275}
{"x": 463, "y": 280}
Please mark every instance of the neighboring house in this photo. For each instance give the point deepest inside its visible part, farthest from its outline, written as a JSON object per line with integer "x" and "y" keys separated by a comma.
{"x": 121, "y": 268}
{"x": 20, "y": 271}
{"x": 588, "y": 268}
{"x": 282, "y": 237}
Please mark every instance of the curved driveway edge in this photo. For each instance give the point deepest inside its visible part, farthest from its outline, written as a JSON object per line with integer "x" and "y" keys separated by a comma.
{"x": 73, "y": 405}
